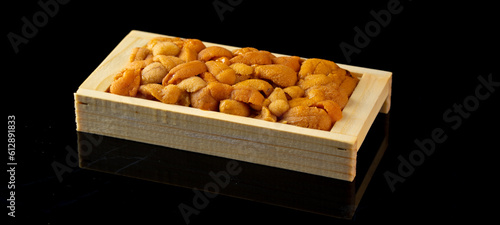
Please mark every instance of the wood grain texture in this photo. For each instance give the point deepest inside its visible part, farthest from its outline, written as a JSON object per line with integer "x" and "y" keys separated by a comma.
{"x": 331, "y": 154}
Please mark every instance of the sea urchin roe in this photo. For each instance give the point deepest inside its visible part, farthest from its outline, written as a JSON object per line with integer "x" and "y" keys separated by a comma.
{"x": 192, "y": 84}
{"x": 170, "y": 94}
{"x": 279, "y": 102}
{"x": 258, "y": 84}
{"x": 126, "y": 82}
{"x": 222, "y": 72}
{"x": 202, "y": 99}
{"x": 153, "y": 73}
{"x": 247, "y": 95}
{"x": 246, "y": 82}
{"x": 309, "y": 117}
{"x": 234, "y": 107}
{"x": 254, "y": 57}
{"x": 165, "y": 48}
{"x": 213, "y": 52}
{"x": 317, "y": 66}
{"x": 332, "y": 108}
{"x": 183, "y": 71}
{"x": 280, "y": 75}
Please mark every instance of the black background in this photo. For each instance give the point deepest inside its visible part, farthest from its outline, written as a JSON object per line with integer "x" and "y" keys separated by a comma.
{"x": 435, "y": 51}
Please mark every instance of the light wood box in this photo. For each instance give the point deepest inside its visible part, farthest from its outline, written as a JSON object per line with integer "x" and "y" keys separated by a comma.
{"x": 330, "y": 154}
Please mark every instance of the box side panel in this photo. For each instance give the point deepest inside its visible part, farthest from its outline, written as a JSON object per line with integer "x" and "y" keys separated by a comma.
{"x": 210, "y": 121}
{"x": 218, "y": 138}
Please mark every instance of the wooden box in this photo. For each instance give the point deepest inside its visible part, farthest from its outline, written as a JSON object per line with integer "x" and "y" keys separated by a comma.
{"x": 330, "y": 154}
